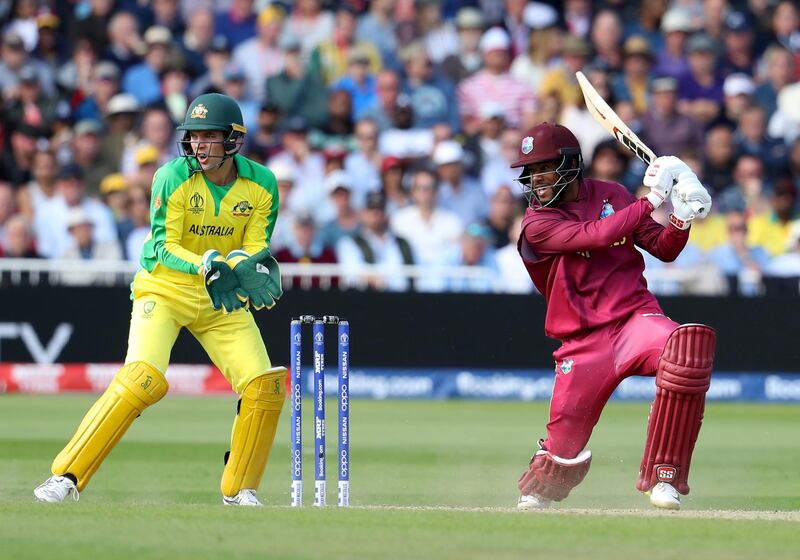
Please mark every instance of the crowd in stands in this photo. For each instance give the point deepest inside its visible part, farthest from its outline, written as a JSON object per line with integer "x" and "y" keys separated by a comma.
{"x": 390, "y": 125}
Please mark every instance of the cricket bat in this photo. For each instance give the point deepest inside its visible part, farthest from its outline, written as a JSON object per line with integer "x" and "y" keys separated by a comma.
{"x": 606, "y": 116}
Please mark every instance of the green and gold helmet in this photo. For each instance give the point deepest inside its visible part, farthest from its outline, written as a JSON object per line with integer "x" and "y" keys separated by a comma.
{"x": 213, "y": 111}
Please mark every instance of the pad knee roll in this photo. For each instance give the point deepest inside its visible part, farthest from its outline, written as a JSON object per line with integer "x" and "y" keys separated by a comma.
{"x": 553, "y": 477}
{"x": 135, "y": 387}
{"x": 682, "y": 379}
{"x": 254, "y": 431}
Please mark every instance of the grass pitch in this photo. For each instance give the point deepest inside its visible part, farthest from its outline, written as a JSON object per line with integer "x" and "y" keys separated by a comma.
{"x": 429, "y": 480}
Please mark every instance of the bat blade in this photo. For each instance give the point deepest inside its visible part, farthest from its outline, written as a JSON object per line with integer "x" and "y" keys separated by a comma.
{"x": 609, "y": 120}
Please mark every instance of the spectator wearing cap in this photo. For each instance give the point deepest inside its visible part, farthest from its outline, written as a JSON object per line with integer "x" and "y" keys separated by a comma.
{"x": 373, "y": 244}
{"x": 467, "y": 59}
{"x": 306, "y": 248}
{"x": 495, "y": 84}
{"x": 738, "y": 91}
{"x": 114, "y": 194}
{"x": 48, "y": 48}
{"x": 31, "y": 106}
{"x": 664, "y": 129}
{"x": 560, "y": 81}
{"x": 147, "y": 160}
{"x": 237, "y": 23}
{"x": 544, "y": 45}
{"x": 392, "y": 173}
{"x": 780, "y": 72}
{"x": 295, "y": 90}
{"x": 93, "y": 25}
{"x": 235, "y": 86}
{"x": 738, "y": 43}
{"x": 752, "y": 139}
{"x": 387, "y": 88}
{"x": 86, "y": 154}
{"x": 139, "y": 198}
{"x": 105, "y": 84}
{"x": 700, "y": 89}
{"x": 50, "y": 221}
{"x": 120, "y": 115}
{"x": 15, "y": 164}
{"x": 329, "y": 59}
{"x": 216, "y": 60}
{"x": 632, "y": 85}
{"x": 676, "y": 25}
{"x": 307, "y": 168}
{"x": 41, "y": 189}
{"x": 265, "y": 141}
{"x": 289, "y": 206}
{"x": 431, "y": 97}
{"x": 363, "y": 164}
{"x": 261, "y": 57}
{"x": 197, "y": 39}
{"x": 358, "y": 82}
{"x": 82, "y": 245}
{"x": 378, "y": 27}
{"x": 334, "y": 158}
{"x": 142, "y": 80}
{"x": 156, "y": 129}
{"x": 345, "y": 220}
{"x": 719, "y": 157}
{"x": 457, "y": 192}
{"x": 13, "y": 58}
{"x": 124, "y": 41}
{"x": 606, "y": 35}
{"x": 310, "y": 24}
{"x": 432, "y": 231}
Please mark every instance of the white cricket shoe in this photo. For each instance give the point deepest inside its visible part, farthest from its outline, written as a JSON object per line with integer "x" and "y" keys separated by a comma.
{"x": 56, "y": 489}
{"x": 245, "y": 497}
{"x": 532, "y": 502}
{"x": 663, "y": 495}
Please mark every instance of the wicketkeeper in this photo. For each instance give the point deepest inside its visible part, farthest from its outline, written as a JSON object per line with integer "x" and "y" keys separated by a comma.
{"x": 205, "y": 263}
{"x": 578, "y": 242}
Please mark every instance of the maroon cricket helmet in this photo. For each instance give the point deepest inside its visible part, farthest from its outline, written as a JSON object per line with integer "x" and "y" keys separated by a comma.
{"x": 545, "y": 142}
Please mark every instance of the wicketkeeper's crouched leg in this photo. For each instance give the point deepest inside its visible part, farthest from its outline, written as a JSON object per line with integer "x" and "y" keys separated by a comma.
{"x": 254, "y": 431}
{"x": 135, "y": 387}
{"x": 682, "y": 379}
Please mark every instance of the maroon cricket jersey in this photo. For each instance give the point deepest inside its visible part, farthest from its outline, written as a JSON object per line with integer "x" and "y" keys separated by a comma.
{"x": 581, "y": 256}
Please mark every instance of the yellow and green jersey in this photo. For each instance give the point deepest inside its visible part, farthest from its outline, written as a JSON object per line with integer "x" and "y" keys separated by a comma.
{"x": 189, "y": 215}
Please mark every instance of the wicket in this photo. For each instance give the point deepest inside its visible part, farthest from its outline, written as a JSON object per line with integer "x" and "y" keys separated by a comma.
{"x": 318, "y": 333}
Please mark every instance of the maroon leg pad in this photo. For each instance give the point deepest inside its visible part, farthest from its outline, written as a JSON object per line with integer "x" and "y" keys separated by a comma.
{"x": 682, "y": 379}
{"x": 552, "y": 477}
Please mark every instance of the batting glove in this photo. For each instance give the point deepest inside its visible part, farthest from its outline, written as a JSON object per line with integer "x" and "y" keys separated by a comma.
{"x": 661, "y": 176}
{"x": 690, "y": 200}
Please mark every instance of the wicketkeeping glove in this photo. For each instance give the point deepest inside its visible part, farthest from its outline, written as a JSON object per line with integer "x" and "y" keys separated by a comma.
{"x": 221, "y": 284}
{"x": 259, "y": 275}
{"x": 690, "y": 200}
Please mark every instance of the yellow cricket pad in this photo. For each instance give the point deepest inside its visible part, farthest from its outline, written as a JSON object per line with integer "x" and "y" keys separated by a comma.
{"x": 135, "y": 387}
{"x": 253, "y": 431}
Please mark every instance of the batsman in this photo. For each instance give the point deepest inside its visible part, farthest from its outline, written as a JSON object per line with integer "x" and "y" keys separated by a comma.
{"x": 205, "y": 264}
{"x": 579, "y": 244}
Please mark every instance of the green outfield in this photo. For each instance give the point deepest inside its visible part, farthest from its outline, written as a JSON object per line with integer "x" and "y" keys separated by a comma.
{"x": 429, "y": 480}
